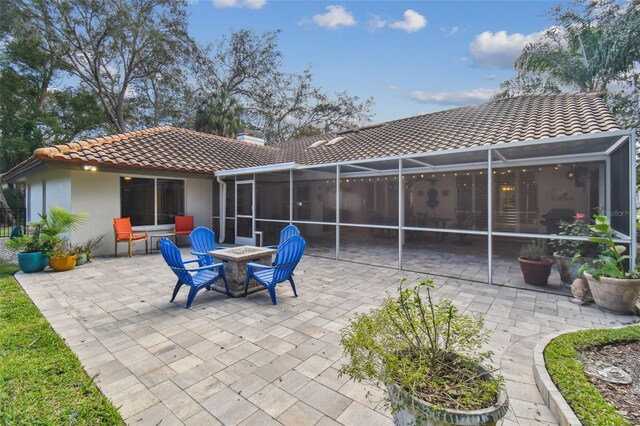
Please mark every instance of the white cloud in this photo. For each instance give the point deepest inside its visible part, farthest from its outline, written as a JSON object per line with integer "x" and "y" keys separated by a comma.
{"x": 251, "y": 4}
{"x": 393, "y": 87}
{"x": 376, "y": 23}
{"x": 491, "y": 77}
{"x": 450, "y": 31}
{"x": 335, "y": 17}
{"x": 459, "y": 98}
{"x": 499, "y": 49}
{"x": 412, "y": 22}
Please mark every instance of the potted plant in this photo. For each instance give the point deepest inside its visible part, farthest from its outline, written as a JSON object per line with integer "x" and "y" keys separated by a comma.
{"x": 428, "y": 357}
{"x": 564, "y": 250}
{"x": 91, "y": 245}
{"x": 33, "y": 249}
{"x": 62, "y": 258}
{"x": 534, "y": 263}
{"x": 81, "y": 254}
{"x": 613, "y": 286}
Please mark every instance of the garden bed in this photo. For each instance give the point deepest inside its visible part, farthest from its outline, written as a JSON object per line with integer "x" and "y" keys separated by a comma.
{"x": 41, "y": 380}
{"x": 566, "y": 358}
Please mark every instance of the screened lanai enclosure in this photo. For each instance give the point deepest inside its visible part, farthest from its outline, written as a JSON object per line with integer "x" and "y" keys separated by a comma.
{"x": 461, "y": 213}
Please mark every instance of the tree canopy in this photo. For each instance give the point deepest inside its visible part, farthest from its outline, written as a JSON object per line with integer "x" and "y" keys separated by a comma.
{"x": 593, "y": 46}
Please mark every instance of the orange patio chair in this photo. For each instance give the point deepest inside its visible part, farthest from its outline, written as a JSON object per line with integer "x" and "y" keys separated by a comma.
{"x": 184, "y": 226}
{"x": 124, "y": 233}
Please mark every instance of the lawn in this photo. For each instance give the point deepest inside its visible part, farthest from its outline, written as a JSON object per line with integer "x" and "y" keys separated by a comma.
{"x": 41, "y": 381}
{"x": 565, "y": 368}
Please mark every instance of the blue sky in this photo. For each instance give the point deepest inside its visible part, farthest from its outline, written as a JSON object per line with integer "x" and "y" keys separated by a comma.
{"x": 412, "y": 57}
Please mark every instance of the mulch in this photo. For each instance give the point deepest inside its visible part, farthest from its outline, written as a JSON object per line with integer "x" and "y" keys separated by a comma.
{"x": 625, "y": 398}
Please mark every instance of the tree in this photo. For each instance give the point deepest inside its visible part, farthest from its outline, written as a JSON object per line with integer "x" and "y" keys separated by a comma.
{"x": 32, "y": 114}
{"x": 593, "y": 47}
{"x": 115, "y": 47}
{"x": 248, "y": 66}
{"x": 220, "y": 115}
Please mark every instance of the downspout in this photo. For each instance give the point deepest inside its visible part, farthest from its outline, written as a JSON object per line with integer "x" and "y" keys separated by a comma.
{"x": 223, "y": 208}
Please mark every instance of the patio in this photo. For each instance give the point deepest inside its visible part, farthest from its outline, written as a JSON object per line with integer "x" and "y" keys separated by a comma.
{"x": 245, "y": 361}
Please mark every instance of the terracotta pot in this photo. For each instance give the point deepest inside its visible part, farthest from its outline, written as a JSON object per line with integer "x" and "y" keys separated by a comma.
{"x": 535, "y": 272}
{"x": 614, "y": 294}
{"x": 63, "y": 263}
{"x": 421, "y": 412}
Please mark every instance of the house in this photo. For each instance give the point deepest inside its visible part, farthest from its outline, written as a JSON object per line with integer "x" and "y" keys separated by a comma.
{"x": 481, "y": 178}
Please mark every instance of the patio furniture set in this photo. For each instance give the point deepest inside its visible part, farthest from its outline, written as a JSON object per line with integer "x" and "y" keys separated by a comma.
{"x": 241, "y": 270}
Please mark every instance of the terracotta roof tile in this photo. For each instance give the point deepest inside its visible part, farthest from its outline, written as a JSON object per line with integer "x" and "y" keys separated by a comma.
{"x": 502, "y": 121}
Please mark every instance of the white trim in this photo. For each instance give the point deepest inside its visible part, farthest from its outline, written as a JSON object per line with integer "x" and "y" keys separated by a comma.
{"x": 259, "y": 169}
{"x": 338, "y": 212}
{"x": 490, "y": 217}
{"x": 273, "y": 220}
{"x": 616, "y": 145}
{"x": 633, "y": 208}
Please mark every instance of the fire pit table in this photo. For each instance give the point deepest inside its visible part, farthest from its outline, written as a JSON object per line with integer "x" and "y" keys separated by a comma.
{"x": 235, "y": 267}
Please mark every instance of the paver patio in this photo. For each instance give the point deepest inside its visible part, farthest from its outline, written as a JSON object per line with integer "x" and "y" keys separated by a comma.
{"x": 245, "y": 361}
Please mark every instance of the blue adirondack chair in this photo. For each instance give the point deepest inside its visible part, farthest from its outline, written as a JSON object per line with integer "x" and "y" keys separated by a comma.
{"x": 202, "y": 241}
{"x": 196, "y": 278}
{"x": 286, "y": 233}
{"x": 289, "y": 254}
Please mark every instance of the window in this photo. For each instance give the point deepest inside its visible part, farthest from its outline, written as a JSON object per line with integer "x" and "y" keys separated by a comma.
{"x": 142, "y": 198}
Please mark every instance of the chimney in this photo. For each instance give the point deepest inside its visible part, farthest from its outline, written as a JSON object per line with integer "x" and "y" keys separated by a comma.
{"x": 251, "y": 136}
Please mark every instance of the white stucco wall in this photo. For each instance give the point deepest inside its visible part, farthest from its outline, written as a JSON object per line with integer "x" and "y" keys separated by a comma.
{"x": 48, "y": 188}
{"x": 199, "y": 201}
{"x": 97, "y": 195}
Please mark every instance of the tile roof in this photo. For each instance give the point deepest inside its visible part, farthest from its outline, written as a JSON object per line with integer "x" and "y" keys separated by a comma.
{"x": 514, "y": 119}
{"x": 166, "y": 148}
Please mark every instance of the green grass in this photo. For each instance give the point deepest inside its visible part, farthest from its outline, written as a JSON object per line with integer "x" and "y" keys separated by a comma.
{"x": 565, "y": 369}
{"x": 41, "y": 380}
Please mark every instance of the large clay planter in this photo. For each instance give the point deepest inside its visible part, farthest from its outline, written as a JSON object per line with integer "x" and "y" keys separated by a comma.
{"x": 63, "y": 263}
{"x": 535, "y": 272}
{"x": 614, "y": 294}
{"x": 427, "y": 415}
{"x": 32, "y": 262}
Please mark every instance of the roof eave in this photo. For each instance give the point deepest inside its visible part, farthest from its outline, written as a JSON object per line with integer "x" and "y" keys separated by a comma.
{"x": 278, "y": 167}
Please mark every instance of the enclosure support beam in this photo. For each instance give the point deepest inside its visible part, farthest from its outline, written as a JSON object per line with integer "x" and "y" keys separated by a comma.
{"x": 632, "y": 199}
{"x": 400, "y": 214}
{"x": 489, "y": 216}
{"x": 337, "y": 212}
{"x": 290, "y": 197}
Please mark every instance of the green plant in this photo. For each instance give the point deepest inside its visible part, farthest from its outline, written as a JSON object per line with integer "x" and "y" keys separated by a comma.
{"x": 536, "y": 250}
{"x": 611, "y": 261}
{"x": 429, "y": 350}
{"x": 93, "y": 243}
{"x": 568, "y": 248}
{"x": 563, "y": 362}
{"x": 58, "y": 221}
{"x": 62, "y": 249}
{"x": 42, "y": 382}
{"x": 35, "y": 241}
{"x": 44, "y": 235}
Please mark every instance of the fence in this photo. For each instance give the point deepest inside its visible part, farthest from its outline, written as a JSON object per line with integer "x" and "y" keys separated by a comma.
{"x": 9, "y": 218}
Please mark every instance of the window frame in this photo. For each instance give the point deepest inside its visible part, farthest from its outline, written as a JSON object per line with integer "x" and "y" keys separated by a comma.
{"x": 155, "y": 178}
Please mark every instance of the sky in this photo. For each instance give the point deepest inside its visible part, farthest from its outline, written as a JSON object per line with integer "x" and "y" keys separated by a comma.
{"x": 411, "y": 57}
